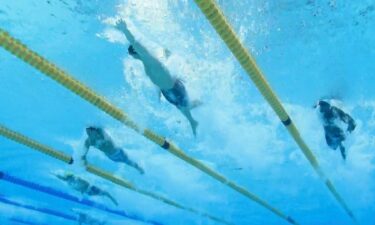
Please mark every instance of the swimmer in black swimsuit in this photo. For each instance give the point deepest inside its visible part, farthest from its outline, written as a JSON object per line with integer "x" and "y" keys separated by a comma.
{"x": 172, "y": 89}
{"x": 178, "y": 96}
{"x": 331, "y": 117}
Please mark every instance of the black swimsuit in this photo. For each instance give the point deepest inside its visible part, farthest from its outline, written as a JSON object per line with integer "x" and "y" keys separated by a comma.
{"x": 177, "y": 95}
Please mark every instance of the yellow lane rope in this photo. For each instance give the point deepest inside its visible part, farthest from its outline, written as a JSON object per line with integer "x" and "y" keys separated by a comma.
{"x": 43, "y": 65}
{"x": 217, "y": 19}
{"x": 20, "y": 138}
{"x": 34, "y": 145}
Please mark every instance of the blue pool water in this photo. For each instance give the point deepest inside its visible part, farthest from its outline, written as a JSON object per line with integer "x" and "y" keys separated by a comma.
{"x": 307, "y": 49}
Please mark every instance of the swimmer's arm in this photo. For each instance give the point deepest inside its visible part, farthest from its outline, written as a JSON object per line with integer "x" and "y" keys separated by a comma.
{"x": 123, "y": 27}
{"x": 136, "y": 43}
{"x": 61, "y": 177}
{"x": 351, "y": 123}
{"x": 87, "y": 147}
{"x": 347, "y": 119}
{"x": 143, "y": 52}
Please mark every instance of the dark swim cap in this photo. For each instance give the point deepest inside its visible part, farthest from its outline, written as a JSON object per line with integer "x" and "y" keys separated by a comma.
{"x": 323, "y": 103}
{"x": 93, "y": 128}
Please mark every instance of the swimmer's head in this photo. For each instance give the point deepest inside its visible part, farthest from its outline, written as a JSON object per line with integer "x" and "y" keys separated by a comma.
{"x": 323, "y": 105}
{"x": 132, "y": 52}
{"x": 94, "y": 131}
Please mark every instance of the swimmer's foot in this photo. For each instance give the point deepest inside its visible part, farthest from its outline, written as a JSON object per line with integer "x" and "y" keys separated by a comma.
{"x": 343, "y": 153}
{"x": 141, "y": 171}
{"x": 194, "y": 104}
{"x": 194, "y": 125}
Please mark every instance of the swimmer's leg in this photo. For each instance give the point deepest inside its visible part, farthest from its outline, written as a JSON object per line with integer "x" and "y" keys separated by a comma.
{"x": 193, "y": 122}
{"x": 135, "y": 165}
{"x": 97, "y": 191}
{"x": 194, "y": 104}
{"x": 121, "y": 156}
{"x": 343, "y": 152}
{"x": 179, "y": 97}
{"x": 106, "y": 194}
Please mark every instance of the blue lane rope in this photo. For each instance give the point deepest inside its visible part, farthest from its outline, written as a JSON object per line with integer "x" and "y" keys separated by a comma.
{"x": 38, "y": 209}
{"x": 22, "y": 221}
{"x": 60, "y": 194}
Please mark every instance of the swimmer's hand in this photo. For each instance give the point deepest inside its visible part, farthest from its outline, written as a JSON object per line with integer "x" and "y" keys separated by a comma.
{"x": 351, "y": 127}
{"x": 121, "y": 25}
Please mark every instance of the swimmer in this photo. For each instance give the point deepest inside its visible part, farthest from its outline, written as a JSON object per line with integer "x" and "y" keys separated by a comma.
{"x": 172, "y": 88}
{"x": 83, "y": 186}
{"x": 331, "y": 117}
{"x": 99, "y": 139}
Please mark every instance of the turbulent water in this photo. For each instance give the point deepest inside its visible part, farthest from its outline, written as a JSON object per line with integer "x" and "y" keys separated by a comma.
{"x": 307, "y": 49}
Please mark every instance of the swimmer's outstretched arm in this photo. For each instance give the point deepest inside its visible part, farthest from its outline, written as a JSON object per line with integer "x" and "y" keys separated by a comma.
{"x": 61, "y": 177}
{"x": 87, "y": 148}
{"x": 139, "y": 48}
{"x": 123, "y": 27}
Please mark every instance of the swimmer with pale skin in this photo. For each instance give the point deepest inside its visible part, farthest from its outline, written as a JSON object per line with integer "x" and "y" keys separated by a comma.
{"x": 98, "y": 138}
{"x": 172, "y": 88}
{"x": 83, "y": 186}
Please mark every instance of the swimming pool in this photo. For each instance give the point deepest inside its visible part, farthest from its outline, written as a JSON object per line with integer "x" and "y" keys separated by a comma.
{"x": 307, "y": 50}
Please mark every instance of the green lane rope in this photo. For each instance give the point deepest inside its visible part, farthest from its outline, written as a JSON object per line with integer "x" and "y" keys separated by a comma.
{"x": 217, "y": 19}
{"x": 21, "y": 51}
{"x": 19, "y": 138}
